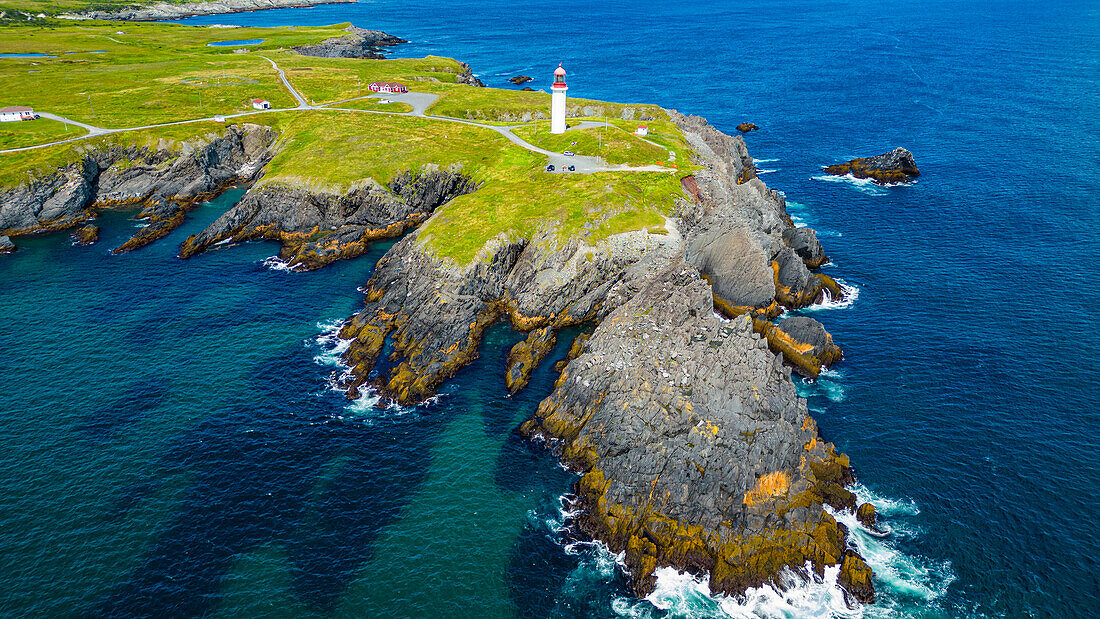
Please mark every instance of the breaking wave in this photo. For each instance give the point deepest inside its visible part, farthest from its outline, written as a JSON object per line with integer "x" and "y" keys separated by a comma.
{"x": 865, "y": 185}
{"x": 851, "y": 293}
{"x": 276, "y": 263}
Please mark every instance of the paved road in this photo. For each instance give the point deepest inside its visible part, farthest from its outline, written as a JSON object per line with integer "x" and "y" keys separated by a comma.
{"x": 420, "y": 102}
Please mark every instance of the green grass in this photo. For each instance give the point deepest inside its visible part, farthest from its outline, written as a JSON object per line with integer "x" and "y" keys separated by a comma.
{"x": 140, "y": 78}
{"x": 41, "y": 131}
{"x": 616, "y": 146}
{"x": 325, "y": 80}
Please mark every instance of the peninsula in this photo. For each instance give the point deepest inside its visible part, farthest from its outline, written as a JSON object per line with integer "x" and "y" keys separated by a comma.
{"x": 676, "y": 406}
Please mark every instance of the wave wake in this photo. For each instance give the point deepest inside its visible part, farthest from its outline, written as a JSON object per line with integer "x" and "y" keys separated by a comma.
{"x": 866, "y": 185}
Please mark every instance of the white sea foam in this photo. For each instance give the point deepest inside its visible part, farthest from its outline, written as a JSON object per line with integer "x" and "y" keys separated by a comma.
{"x": 851, "y": 293}
{"x": 276, "y": 263}
{"x": 758, "y": 161}
{"x": 827, "y": 384}
{"x": 330, "y": 345}
{"x": 866, "y": 185}
{"x": 763, "y": 171}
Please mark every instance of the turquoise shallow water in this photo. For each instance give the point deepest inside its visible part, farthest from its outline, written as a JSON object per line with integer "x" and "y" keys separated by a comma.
{"x": 170, "y": 444}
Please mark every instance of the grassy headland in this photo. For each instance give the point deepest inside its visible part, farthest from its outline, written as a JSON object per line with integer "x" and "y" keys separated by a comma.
{"x": 153, "y": 73}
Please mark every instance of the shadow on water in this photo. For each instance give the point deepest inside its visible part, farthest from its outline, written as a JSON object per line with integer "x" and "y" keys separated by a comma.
{"x": 256, "y": 473}
{"x": 140, "y": 398}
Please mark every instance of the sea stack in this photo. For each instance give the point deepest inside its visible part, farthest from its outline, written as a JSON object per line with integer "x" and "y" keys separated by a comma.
{"x": 896, "y": 166}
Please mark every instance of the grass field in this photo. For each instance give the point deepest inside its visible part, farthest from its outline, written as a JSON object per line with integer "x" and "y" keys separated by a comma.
{"x": 28, "y": 133}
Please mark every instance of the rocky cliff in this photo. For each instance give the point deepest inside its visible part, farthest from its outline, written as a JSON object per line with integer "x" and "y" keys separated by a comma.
{"x": 317, "y": 228}
{"x": 358, "y": 43}
{"x": 694, "y": 448}
{"x": 168, "y": 10}
{"x": 896, "y": 166}
{"x": 163, "y": 182}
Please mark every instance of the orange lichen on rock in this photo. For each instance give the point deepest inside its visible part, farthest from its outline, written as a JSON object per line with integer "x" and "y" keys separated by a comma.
{"x": 767, "y": 487}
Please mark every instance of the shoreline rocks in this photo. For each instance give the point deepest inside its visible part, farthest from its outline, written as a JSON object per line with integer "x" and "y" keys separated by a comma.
{"x": 358, "y": 43}
{"x": 747, "y": 127}
{"x": 168, "y": 10}
{"x": 520, "y": 79}
{"x": 163, "y": 183}
{"x": 896, "y": 166}
{"x": 86, "y": 235}
{"x": 6, "y": 246}
{"x": 316, "y": 229}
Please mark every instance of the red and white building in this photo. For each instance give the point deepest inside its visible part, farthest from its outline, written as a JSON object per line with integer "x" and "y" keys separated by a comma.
{"x": 557, "y": 101}
{"x": 261, "y": 104}
{"x": 16, "y": 112}
{"x": 642, "y": 131}
{"x": 388, "y": 87}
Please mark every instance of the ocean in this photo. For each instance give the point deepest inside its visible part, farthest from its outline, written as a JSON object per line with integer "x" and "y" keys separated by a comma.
{"x": 172, "y": 443}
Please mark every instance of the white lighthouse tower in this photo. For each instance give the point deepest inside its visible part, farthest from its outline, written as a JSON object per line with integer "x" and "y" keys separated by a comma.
{"x": 557, "y": 101}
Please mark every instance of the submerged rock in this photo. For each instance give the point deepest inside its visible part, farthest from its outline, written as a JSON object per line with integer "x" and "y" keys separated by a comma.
{"x": 358, "y": 43}
{"x": 6, "y": 246}
{"x": 86, "y": 235}
{"x": 896, "y": 166}
{"x": 520, "y": 79}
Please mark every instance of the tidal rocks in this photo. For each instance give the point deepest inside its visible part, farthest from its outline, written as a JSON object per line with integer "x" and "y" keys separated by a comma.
{"x": 695, "y": 449}
{"x": 896, "y": 166}
{"x": 164, "y": 182}
{"x": 526, "y": 356}
{"x": 86, "y": 235}
{"x": 169, "y": 10}
{"x": 867, "y": 516}
{"x": 520, "y": 79}
{"x": 747, "y": 127}
{"x": 358, "y": 43}
{"x": 6, "y": 246}
{"x": 804, "y": 342}
{"x": 316, "y": 228}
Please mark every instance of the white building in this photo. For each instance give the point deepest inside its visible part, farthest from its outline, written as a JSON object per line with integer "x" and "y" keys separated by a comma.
{"x": 15, "y": 112}
{"x": 387, "y": 87}
{"x": 642, "y": 130}
{"x": 557, "y": 101}
{"x": 261, "y": 104}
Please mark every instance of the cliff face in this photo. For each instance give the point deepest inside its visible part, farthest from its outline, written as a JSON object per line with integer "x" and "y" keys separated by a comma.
{"x": 694, "y": 447}
{"x": 163, "y": 182}
{"x": 316, "y": 228}
{"x": 358, "y": 43}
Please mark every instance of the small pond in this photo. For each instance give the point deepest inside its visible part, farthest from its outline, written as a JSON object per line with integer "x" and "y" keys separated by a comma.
{"x": 27, "y": 55}
{"x": 236, "y": 43}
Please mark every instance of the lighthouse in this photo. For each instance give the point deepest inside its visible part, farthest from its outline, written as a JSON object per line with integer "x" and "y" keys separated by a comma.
{"x": 557, "y": 101}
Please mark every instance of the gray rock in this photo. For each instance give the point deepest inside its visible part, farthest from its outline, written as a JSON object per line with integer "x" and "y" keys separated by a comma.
{"x": 359, "y": 43}
{"x": 804, "y": 243}
{"x": 6, "y": 246}
{"x": 736, "y": 265}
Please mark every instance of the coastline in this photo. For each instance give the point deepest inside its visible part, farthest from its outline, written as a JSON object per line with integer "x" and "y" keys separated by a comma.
{"x": 165, "y": 11}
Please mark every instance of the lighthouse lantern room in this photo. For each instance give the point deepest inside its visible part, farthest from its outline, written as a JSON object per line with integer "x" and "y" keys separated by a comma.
{"x": 557, "y": 101}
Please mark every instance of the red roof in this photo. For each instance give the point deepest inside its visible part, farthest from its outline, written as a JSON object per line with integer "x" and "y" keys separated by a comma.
{"x": 15, "y": 108}
{"x": 259, "y": 101}
{"x": 559, "y": 70}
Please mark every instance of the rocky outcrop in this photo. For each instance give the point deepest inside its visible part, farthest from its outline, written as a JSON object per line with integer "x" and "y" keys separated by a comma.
{"x": 520, "y": 79}
{"x": 896, "y": 166}
{"x": 526, "y": 356}
{"x": 316, "y": 228}
{"x": 694, "y": 448}
{"x": 86, "y": 235}
{"x": 6, "y": 246}
{"x": 164, "y": 183}
{"x": 168, "y": 10}
{"x": 467, "y": 77}
{"x": 747, "y": 127}
{"x": 358, "y": 43}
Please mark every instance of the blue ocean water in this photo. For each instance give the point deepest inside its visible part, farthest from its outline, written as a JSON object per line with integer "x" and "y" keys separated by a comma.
{"x": 172, "y": 446}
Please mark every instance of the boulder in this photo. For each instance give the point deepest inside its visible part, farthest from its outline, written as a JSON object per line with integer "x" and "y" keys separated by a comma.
{"x": 867, "y": 516}
{"x": 6, "y": 246}
{"x": 804, "y": 243}
{"x": 805, "y": 344}
{"x": 896, "y": 166}
{"x": 747, "y": 127}
{"x": 520, "y": 79}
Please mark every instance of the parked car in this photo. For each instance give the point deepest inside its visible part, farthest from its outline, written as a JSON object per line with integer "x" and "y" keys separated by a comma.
{"x": 572, "y": 168}
{"x": 568, "y": 153}
{"x": 550, "y": 168}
